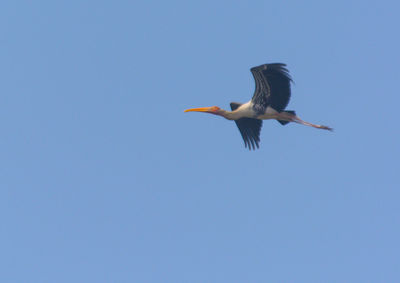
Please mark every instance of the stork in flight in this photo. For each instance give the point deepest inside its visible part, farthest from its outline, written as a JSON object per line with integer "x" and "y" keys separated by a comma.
{"x": 269, "y": 101}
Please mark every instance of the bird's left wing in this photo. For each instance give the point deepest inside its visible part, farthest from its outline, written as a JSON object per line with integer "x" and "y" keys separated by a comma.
{"x": 249, "y": 129}
{"x": 272, "y": 87}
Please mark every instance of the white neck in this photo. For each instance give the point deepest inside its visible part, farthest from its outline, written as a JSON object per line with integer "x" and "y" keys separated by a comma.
{"x": 231, "y": 115}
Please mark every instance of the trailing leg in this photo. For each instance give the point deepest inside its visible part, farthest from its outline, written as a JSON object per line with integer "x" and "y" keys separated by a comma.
{"x": 290, "y": 116}
{"x": 298, "y": 120}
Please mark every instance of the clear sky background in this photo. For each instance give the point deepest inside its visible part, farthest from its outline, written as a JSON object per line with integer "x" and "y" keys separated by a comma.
{"x": 103, "y": 178}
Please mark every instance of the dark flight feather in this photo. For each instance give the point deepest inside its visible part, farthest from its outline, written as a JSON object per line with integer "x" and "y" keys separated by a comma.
{"x": 272, "y": 87}
{"x": 282, "y": 122}
{"x": 249, "y": 128}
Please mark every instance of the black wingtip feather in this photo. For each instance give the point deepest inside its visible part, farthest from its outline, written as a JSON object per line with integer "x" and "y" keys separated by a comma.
{"x": 272, "y": 86}
{"x": 249, "y": 129}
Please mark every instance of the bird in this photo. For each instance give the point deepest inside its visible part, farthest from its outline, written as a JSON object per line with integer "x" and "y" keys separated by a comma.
{"x": 271, "y": 96}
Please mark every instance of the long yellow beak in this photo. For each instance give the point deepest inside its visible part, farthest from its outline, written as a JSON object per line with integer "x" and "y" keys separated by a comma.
{"x": 201, "y": 109}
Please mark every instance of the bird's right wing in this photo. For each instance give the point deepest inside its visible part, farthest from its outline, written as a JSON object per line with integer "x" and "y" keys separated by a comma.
{"x": 249, "y": 129}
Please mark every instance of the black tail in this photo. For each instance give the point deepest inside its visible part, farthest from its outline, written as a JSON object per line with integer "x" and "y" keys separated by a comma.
{"x": 283, "y": 122}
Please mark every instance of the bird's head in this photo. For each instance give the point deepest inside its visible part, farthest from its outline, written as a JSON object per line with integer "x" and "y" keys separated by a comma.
{"x": 212, "y": 110}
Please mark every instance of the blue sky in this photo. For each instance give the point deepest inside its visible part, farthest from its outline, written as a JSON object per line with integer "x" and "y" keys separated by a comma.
{"x": 103, "y": 178}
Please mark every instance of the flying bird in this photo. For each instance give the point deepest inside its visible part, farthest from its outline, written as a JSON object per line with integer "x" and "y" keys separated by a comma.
{"x": 270, "y": 98}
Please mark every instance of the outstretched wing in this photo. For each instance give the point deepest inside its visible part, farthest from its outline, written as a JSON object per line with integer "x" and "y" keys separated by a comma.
{"x": 272, "y": 87}
{"x": 249, "y": 129}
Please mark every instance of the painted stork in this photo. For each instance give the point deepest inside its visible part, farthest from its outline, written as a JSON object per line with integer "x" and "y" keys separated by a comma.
{"x": 269, "y": 101}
